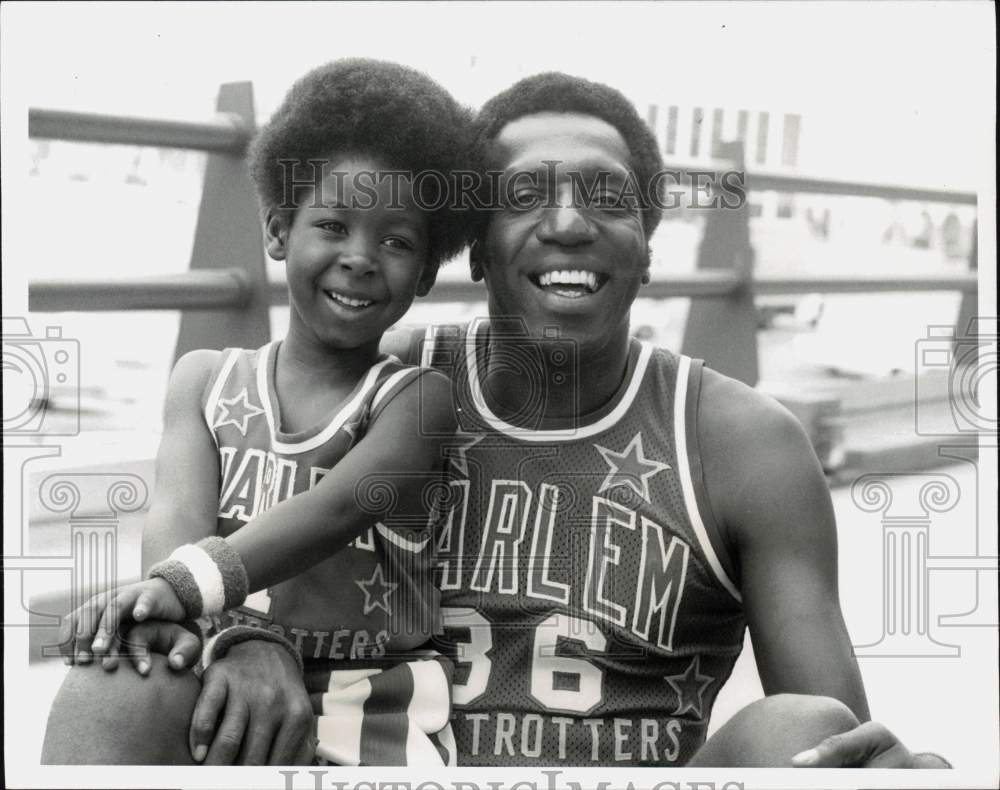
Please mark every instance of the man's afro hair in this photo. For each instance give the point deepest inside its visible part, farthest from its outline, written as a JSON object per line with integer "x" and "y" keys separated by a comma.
{"x": 364, "y": 107}
{"x": 557, "y": 92}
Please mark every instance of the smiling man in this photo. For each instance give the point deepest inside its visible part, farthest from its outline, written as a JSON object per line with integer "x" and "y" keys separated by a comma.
{"x": 622, "y": 513}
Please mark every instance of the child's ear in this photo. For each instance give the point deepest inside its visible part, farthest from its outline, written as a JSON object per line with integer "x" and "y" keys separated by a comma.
{"x": 427, "y": 278}
{"x": 275, "y": 234}
{"x": 477, "y": 261}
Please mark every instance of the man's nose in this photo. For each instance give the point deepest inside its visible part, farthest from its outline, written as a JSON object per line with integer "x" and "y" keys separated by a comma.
{"x": 566, "y": 224}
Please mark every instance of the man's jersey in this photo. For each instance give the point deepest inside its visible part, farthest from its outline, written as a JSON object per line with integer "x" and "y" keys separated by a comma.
{"x": 376, "y": 594}
{"x": 587, "y": 597}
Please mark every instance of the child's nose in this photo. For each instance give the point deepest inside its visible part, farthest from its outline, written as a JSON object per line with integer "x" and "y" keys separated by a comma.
{"x": 358, "y": 260}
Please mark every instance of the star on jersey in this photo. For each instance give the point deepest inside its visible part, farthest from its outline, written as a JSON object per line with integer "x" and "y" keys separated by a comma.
{"x": 630, "y": 467}
{"x": 379, "y": 599}
{"x": 690, "y": 685}
{"x": 238, "y": 411}
{"x": 457, "y": 452}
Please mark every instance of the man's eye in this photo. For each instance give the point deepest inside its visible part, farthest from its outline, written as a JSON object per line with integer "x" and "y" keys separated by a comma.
{"x": 608, "y": 200}
{"x": 525, "y": 200}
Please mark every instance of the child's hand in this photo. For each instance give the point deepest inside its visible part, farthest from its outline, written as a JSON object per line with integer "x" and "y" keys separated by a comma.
{"x": 92, "y": 630}
{"x": 181, "y": 646}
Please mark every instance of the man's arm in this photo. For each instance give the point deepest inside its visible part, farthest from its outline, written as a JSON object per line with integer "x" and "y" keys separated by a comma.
{"x": 768, "y": 494}
{"x": 771, "y": 500}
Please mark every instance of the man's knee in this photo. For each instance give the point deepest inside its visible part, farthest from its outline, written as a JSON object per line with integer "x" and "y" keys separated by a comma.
{"x": 770, "y": 731}
{"x": 120, "y": 717}
{"x": 809, "y": 712}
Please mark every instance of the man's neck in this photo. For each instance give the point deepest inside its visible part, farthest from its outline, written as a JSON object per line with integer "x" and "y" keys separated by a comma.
{"x": 551, "y": 382}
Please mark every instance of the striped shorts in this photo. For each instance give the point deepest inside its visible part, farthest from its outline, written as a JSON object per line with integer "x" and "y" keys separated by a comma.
{"x": 387, "y": 712}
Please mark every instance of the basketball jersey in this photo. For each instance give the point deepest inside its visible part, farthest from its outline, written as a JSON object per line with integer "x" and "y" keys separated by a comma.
{"x": 585, "y": 591}
{"x": 375, "y": 595}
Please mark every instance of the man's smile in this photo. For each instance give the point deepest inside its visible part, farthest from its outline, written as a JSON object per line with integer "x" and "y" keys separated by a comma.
{"x": 568, "y": 282}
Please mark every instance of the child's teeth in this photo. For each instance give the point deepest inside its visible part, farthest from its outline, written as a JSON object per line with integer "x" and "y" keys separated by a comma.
{"x": 347, "y": 300}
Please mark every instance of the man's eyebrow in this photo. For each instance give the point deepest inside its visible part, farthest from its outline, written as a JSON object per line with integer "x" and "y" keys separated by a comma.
{"x": 612, "y": 169}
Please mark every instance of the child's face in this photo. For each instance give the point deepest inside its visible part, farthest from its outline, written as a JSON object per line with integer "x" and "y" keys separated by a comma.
{"x": 355, "y": 254}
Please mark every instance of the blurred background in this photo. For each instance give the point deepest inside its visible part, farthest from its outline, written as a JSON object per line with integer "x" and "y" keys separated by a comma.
{"x": 898, "y": 95}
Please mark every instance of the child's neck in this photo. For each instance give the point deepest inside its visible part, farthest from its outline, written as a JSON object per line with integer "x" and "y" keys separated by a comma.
{"x": 312, "y": 380}
{"x": 304, "y": 357}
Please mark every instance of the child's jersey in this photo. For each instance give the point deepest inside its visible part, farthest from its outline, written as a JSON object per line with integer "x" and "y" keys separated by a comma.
{"x": 376, "y": 594}
{"x": 587, "y": 598}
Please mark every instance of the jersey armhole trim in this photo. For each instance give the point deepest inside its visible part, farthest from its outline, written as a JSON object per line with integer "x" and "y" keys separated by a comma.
{"x": 427, "y": 346}
{"x": 686, "y": 398}
{"x": 221, "y": 377}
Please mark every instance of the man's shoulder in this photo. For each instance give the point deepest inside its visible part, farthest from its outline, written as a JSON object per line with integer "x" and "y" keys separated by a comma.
{"x": 415, "y": 344}
{"x": 753, "y": 450}
{"x": 739, "y": 416}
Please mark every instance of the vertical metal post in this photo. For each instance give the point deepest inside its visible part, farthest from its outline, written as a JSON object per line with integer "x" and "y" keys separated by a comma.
{"x": 966, "y": 347}
{"x": 228, "y": 234}
{"x": 723, "y": 330}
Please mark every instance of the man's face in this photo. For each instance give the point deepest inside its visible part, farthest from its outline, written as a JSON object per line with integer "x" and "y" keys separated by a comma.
{"x": 565, "y": 251}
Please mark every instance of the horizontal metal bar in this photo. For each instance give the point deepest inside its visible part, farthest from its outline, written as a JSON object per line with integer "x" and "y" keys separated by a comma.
{"x": 194, "y": 290}
{"x": 860, "y": 283}
{"x": 759, "y": 181}
{"x": 227, "y": 288}
{"x": 226, "y": 133}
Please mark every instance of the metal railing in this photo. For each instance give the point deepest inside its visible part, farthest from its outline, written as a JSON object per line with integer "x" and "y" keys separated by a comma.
{"x": 225, "y": 294}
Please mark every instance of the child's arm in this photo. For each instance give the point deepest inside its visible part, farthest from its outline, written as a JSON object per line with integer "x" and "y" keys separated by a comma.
{"x": 183, "y": 509}
{"x": 401, "y": 453}
{"x": 185, "y": 502}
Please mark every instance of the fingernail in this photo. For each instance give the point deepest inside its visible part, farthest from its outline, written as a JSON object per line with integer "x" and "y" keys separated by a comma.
{"x": 99, "y": 643}
{"x": 199, "y": 752}
{"x": 68, "y": 661}
{"x": 83, "y": 658}
{"x": 177, "y": 660}
{"x": 139, "y": 613}
{"x": 143, "y": 667}
{"x": 808, "y": 757}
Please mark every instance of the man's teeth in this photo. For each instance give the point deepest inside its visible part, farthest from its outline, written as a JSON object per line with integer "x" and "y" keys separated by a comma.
{"x": 347, "y": 300}
{"x": 569, "y": 277}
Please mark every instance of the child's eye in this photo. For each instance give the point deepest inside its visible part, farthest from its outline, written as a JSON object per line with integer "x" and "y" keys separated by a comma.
{"x": 333, "y": 226}
{"x": 399, "y": 243}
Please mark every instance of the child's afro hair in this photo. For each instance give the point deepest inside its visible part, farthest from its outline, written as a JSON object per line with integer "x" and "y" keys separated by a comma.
{"x": 363, "y": 107}
{"x": 557, "y": 92}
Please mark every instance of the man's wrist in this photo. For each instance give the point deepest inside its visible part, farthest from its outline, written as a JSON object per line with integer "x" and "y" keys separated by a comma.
{"x": 219, "y": 645}
{"x": 250, "y": 646}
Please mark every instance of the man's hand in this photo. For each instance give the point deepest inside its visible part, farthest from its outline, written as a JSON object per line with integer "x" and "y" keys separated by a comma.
{"x": 869, "y": 745}
{"x": 253, "y": 710}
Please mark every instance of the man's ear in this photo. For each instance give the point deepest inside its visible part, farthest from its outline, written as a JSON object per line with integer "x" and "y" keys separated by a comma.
{"x": 477, "y": 261}
{"x": 275, "y": 234}
{"x": 427, "y": 278}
